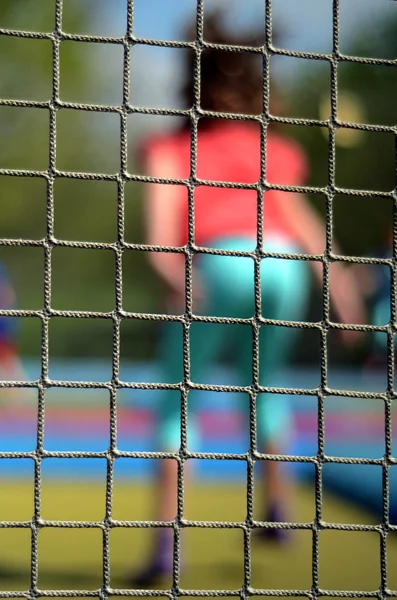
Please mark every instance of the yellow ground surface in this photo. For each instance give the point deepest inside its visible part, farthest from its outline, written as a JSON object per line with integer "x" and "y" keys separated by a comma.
{"x": 214, "y": 559}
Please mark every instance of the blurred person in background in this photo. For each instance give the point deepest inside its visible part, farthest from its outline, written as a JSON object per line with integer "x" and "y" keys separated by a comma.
{"x": 10, "y": 364}
{"x": 223, "y": 286}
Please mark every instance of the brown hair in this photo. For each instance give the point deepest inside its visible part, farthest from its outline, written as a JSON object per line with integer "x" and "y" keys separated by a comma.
{"x": 230, "y": 81}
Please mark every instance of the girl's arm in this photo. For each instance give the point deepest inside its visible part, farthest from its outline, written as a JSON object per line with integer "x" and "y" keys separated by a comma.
{"x": 309, "y": 231}
{"x": 163, "y": 206}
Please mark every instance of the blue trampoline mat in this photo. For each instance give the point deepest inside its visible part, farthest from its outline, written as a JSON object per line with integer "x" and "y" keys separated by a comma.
{"x": 353, "y": 428}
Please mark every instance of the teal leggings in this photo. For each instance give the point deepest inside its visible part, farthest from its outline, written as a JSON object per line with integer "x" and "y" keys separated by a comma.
{"x": 229, "y": 286}
{"x": 381, "y": 316}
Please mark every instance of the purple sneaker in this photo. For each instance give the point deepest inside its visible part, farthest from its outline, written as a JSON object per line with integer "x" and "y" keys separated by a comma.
{"x": 160, "y": 564}
{"x": 274, "y": 515}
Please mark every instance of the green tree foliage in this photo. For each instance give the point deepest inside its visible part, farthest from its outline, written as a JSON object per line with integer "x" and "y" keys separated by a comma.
{"x": 84, "y": 210}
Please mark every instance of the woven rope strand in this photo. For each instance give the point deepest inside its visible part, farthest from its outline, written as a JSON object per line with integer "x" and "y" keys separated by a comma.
{"x": 185, "y": 387}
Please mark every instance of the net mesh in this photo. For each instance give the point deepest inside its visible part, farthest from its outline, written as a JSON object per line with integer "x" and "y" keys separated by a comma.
{"x": 324, "y": 326}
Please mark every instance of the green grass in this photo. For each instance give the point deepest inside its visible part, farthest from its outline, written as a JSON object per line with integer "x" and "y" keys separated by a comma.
{"x": 72, "y": 558}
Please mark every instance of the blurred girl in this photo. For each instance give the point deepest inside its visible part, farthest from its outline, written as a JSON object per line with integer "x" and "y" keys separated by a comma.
{"x": 229, "y": 150}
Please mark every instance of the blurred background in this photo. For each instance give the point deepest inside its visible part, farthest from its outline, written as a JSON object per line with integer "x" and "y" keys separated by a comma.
{"x": 84, "y": 279}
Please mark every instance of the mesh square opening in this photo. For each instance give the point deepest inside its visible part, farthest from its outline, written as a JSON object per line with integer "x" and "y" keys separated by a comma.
{"x": 367, "y": 87}
{"x": 137, "y": 491}
{"x": 279, "y": 568}
{"x": 169, "y": 25}
{"x": 357, "y": 362}
{"x": 216, "y": 490}
{"x": 367, "y": 166}
{"x": 94, "y": 17}
{"x": 139, "y": 420}
{"x": 18, "y": 425}
{"x": 353, "y": 493}
{"x": 338, "y": 570}
{"x": 158, "y": 71}
{"x": 23, "y": 207}
{"x": 77, "y": 419}
{"x": 374, "y": 21}
{"x": 129, "y": 552}
{"x": 16, "y": 558}
{"x": 96, "y": 76}
{"x": 24, "y": 268}
{"x": 391, "y": 552}
{"x": 296, "y": 503}
{"x": 139, "y": 339}
{"x": 217, "y": 556}
{"x": 32, "y": 18}
{"x": 25, "y": 138}
{"x": 144, "y": 292}
{"x": 96, "y": 135}
{"x": 371, "y": 218}
{"x": 73, "y": 489}
{"x": 70, "y": 559}
{"x": 76, "y": 341}
{"x": 313, "y": 150}
{"x": 142, "y": 129}
{"x": 17, "y": 489}
{"x": 76, "y": 203}
{"x": 354, "y": 427}
{"x": 282, "y": 349}
{"x": 305, "y": 28}
{"x": 314, "y": 87}
{"x": 31, "y": 80}
{"x": 83, "y": 279}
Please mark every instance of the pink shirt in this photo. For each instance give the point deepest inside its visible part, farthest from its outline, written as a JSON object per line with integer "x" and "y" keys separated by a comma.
{"x": 229, "y": 151}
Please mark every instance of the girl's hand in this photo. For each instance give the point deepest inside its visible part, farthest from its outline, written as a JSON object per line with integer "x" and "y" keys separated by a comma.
{"x": 347, "y": 300}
